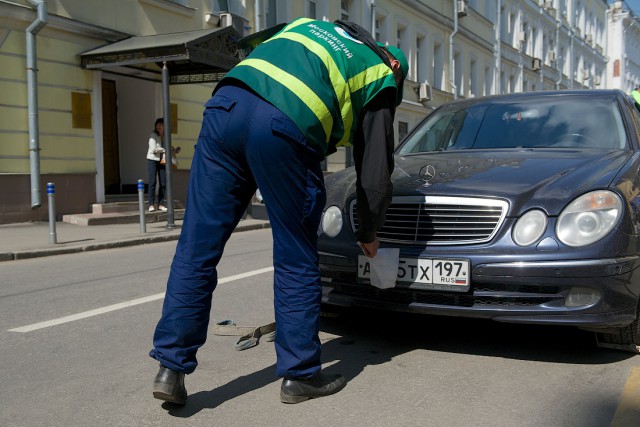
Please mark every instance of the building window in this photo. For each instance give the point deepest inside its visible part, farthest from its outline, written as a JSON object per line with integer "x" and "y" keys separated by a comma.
{"x": 401, "y": 43}
{"x": 438, "y": 65}
{"x": 272, "y": 13}
{"x": 511, "y": 26}
{"x": 221, "y": 6}
{"x": 512, "y": 84}
{"x": 344, "y": 10}
{"x": 420, "y": 61}
{"x": 457, "y": 65}
{"x": 488, "y": 81}
{"x": 403, "y": 130}
{"x": 311, "y": 9}
{"x": 473, "y": 78}
{"x": 490, "y": 11}
{"x": 381, "y": 28}
{"x": 234, "y": 6}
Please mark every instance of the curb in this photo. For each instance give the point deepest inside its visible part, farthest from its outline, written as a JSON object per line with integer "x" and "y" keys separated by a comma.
{"x": 135, "y": 241}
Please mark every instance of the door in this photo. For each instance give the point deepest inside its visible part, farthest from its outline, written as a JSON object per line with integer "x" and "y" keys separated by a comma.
{"x": 110, "y": 138}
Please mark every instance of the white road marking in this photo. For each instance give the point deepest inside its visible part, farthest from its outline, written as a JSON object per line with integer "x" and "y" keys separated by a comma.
{"x": 125, "y": 304}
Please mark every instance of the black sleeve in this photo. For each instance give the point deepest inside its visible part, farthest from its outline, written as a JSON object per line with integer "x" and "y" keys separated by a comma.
{"x": 373, "y": 157}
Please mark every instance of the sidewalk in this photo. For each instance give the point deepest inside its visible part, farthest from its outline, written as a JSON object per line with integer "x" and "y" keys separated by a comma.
{"x": 31, "y": 240}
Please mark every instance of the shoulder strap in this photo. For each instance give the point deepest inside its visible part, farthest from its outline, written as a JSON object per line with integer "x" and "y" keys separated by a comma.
{"x": 359, "y": 33}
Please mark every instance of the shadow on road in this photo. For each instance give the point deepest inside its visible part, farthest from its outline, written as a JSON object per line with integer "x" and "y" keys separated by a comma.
{"x": 555, "y": 344}
{"x": 361, "y": 338}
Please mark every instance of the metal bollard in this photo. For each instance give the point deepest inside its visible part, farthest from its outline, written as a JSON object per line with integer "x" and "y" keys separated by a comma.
{"x": 143, "y": 224}
{"x": 51, "y": 193}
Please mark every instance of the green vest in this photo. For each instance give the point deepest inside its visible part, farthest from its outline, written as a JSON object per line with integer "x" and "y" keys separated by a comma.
{"x": 319, "y": 76}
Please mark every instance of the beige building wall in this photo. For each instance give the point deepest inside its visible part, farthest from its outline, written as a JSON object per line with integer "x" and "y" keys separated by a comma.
{"x": 63, "y": 148}
{"x": 69, "y": 154}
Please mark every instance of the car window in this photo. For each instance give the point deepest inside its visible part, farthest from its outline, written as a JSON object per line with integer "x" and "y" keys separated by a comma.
{"x": 446, "y": 129}
{"x": 635, "y": 114}
{"x": 559, "y": 122}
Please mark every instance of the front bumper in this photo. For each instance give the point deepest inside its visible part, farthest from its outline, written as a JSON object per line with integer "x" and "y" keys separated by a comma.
{"x": 516, "y": 292}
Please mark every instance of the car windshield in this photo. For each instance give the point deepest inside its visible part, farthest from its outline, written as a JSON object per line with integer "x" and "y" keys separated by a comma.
{"x": 553, "y": 122}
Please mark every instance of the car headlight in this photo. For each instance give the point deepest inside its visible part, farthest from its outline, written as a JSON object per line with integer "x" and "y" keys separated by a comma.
{"x": 529, "y": 227}
{"x": 331, "y": 221}
{"x": 589, "y": 218}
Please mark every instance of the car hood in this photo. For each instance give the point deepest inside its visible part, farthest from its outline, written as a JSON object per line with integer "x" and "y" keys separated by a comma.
{"x": 526, "y": 178}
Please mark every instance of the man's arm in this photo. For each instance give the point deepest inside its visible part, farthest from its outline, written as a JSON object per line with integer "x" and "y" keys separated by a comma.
{"x": 373, "y": 156}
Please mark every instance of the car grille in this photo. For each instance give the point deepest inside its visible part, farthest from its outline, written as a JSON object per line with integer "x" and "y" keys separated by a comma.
{"x": 434, "y": 220}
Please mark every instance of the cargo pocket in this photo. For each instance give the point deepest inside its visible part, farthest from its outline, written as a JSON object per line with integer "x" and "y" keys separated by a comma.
{"x": 216, "y": 117}
{"x": 315, "y": 200}
{"x": 284, "y": 127}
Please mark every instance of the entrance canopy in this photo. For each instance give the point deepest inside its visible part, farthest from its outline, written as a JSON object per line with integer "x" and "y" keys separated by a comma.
{"x": 201, "y": 56}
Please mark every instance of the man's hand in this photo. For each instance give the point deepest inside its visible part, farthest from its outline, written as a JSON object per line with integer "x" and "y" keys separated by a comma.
{"x": 370, "y": 249}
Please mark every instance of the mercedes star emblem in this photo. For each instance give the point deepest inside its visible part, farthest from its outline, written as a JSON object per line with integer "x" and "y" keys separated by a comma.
{"x": 427, "y": 173}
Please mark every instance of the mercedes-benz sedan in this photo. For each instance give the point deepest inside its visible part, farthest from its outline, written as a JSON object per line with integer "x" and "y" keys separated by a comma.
{"x": 520, "y": 208}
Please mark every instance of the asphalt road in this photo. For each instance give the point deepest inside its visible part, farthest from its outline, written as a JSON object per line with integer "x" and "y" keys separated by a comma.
{"x": 75, "y": 331}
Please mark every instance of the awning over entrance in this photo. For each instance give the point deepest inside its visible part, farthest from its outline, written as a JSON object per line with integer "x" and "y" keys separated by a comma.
{"x": 200, "y": 56}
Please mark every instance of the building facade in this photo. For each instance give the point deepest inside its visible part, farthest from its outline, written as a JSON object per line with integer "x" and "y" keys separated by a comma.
{"x": 92, "y": 125}
{"x": 623, "y": 68}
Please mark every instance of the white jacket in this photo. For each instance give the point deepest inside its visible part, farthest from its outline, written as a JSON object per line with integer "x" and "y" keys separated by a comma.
{"x": 155, "y": 147}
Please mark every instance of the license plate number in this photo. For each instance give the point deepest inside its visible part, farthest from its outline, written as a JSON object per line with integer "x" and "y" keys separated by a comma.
{"x": 439, "y": 274}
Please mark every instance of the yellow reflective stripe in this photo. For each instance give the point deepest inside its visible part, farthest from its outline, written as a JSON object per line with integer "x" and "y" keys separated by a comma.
{"x": 298, "y": 88}
{"x": 297, "y": 23}
{"x": 337, "y": 80}
{"x": 362, "y": 79}
{"x": 369, "y": 75}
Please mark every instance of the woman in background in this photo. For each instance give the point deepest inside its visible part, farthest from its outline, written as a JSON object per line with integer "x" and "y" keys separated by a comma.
{"x": 155, "y": 168}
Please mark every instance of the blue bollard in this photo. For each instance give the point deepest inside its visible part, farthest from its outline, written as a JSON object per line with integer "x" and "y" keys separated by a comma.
{"x": 143, "y": 224}
{"x": 51, "y": 194}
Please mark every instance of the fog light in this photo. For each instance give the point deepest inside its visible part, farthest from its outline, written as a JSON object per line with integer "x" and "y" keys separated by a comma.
{"x": 331, "y": 222}
{"x": 579, "y": 297}
{"x": 529, "y": 228}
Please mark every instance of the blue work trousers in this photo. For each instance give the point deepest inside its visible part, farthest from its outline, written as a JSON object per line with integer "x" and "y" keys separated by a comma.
{"x": 245, "y": 143}
{"x": 156, "y": 175}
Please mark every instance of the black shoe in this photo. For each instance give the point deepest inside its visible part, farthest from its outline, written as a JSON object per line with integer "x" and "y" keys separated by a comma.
{"x": 169, "y": 386}
{"x": 298, "y": 390}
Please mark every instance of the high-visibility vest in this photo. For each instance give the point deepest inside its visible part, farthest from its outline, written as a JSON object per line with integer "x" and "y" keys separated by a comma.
{"x": 319, "y": 76}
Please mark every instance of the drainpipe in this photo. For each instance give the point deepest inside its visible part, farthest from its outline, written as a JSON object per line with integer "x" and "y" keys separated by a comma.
{"x": 558, "y": 23}
{"x": 607, "y": 14}
{"x": 452, "y": 77}
{"x": 572, "y": 59}
{"x": 628, "y": 85}
{"x": 498, "y": 48}
{"x": 521, "y": 45}
{"x": 373, "y": 18}
{"x": 256, "y": 16}
{"x": 32, "y": 98}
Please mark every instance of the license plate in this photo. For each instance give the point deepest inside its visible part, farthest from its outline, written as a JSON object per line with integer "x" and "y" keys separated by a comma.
{"x": 439, "y": 274}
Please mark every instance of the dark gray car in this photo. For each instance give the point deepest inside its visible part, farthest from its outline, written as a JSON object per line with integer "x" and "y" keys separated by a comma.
{"x": 520, "y": 208}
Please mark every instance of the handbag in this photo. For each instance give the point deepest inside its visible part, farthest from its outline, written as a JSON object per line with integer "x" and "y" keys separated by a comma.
{"x": 163, "y": 159}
